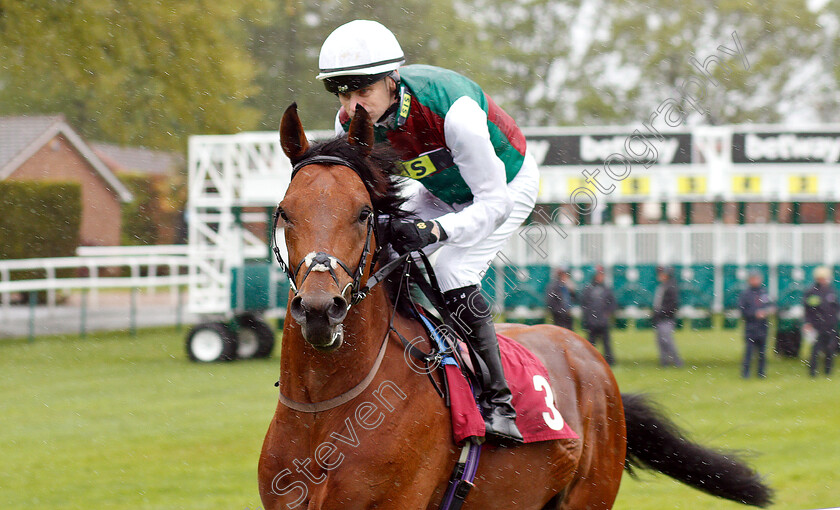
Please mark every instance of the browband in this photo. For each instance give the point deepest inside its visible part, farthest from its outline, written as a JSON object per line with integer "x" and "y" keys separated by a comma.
{"x": 331, "y": 160}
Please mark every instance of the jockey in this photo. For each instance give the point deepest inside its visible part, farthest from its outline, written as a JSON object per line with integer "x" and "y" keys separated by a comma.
{"x": 478, "y": 183}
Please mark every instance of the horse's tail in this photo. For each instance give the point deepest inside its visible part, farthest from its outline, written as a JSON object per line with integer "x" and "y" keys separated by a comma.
{"x": 655, "y": 442}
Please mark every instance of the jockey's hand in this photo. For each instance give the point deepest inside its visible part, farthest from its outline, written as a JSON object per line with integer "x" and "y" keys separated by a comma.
{"x": 411, "y": 235}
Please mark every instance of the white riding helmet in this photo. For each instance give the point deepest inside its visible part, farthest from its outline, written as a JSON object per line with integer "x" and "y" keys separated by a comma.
{"x": 357, "y": 54}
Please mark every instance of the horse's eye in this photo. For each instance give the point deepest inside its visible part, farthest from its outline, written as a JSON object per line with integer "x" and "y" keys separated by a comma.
{"x": 364, "y": 215}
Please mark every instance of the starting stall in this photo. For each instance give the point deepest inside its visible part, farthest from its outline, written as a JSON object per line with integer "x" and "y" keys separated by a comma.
{"x": 712, "y": 202}
{"x": 235, "y": 182}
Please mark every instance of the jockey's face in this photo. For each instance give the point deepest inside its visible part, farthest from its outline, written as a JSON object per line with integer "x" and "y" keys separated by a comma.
{"x": 375, "y": 98}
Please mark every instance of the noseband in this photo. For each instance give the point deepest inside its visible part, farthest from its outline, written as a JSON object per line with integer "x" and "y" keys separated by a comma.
{"x": 322, "y": 261}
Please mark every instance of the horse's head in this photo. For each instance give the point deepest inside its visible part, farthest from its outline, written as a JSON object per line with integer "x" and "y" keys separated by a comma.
{"x": 328, "y": 214}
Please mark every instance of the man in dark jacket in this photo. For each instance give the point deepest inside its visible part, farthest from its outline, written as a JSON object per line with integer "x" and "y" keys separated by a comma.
{"x": 598, "y": 305}
{"x": 755, "y": 307}
{"x": 821, "y": 308}
{"x": 666, "y": 302}
{"x": 559, "y": 298}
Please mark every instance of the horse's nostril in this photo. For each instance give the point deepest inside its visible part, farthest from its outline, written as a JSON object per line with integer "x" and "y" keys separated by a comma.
{"x": 314, "y": 309}
{"x": 297, "y": 309}
{"x": 338, "y": 308}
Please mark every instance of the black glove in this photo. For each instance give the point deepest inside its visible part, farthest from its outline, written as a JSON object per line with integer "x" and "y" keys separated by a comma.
{"x": 412, "y": 235}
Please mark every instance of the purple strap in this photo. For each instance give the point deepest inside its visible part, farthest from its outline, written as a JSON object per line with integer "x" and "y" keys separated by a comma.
{"x": 462, "y": 477}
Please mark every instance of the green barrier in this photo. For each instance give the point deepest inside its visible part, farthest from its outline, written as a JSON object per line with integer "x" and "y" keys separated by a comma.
{"x": 525, "y": 286}
{"x": 644, "y": 323}
{"x": 250, "y": 287}
{"x": 789, "y": 324}
{"x": 792, "y": 283}
{"x": 696, "y": 284}
{"x": 731, "y": 319}
{"x": 488, "y": 285}
{"x": 732, "y": 286}
{"x": 582, "y": 275}
{"x": 701, "y": 323}
{"x": 634, "y": 286}
{"x": 528, "y": 321}
{"x": 734, "y": 281}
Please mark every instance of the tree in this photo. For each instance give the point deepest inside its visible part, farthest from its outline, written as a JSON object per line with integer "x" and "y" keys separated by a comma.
{"x": 143, "y": 73}
{"x": 531, "y": 45}
{"x": 641, "y": 55}
{"x": 150, "y": 73}
{"x": 287, "y": 45}
{"x": 822, "y": 85}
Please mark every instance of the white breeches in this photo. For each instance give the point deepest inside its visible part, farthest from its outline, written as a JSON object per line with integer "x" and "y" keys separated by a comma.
{"x": 460, "y": 266}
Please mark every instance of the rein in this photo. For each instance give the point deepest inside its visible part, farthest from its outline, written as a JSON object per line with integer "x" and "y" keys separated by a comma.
{"x": 461, "y": 479}
{"x": 326, "y": 262}
{"x": 355, "y": 391}
{"x": 322, "y": 261}
{"x": 432, "y": 358}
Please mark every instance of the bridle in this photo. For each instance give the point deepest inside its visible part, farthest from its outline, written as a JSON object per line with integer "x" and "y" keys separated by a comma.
{"x": 322, "y": 261}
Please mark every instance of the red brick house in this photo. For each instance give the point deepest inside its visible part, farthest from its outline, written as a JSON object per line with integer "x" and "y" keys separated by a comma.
{"x": 46, "y": 148}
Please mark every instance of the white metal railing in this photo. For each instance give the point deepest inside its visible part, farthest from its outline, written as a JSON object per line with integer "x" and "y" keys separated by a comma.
{"x": 144, "y": 271}
{"x": 119, "y": 251}
{"x": 663, "y": 244}
{"x": 715, "y": 244}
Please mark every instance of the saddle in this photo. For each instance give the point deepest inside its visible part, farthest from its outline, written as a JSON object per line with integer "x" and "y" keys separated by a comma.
{"x": 537, "y": 416}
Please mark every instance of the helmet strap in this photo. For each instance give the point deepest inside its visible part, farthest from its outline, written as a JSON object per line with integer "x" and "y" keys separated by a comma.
{"x": 390, "y": 112}
{"x": 394, "y": 75}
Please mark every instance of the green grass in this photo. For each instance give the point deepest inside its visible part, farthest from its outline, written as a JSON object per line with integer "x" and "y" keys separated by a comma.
{"x": 118, "y": 422}
{"x": 114, "y": 422}
{"x": 783, "y": 424}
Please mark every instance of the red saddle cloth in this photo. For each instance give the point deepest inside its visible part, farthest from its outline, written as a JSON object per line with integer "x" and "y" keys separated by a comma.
{"x": 537, "y": 416}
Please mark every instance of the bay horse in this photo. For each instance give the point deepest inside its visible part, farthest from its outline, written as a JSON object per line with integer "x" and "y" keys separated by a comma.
{"x": 356, "y": 427}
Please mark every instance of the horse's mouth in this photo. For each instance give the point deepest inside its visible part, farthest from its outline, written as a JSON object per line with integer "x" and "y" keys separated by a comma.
{"x": 325, "y": 339}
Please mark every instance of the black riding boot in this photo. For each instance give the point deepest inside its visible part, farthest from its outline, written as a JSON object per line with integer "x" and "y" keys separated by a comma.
{"x": 472, "y": 312}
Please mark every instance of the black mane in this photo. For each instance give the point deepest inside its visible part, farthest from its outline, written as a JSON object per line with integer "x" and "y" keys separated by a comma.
{"x": 378, "y": 171}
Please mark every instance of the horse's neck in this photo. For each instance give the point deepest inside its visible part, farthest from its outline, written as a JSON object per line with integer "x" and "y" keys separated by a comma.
{"x": 308, "y": 375}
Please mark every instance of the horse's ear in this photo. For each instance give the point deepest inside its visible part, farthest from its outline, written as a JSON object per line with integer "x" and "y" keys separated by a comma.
{"x": 361, "y": 130}
{"x": 292, "y": 138}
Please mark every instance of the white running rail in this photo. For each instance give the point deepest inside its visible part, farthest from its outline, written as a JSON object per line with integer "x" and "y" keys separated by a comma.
{"x": 92, "y": 272}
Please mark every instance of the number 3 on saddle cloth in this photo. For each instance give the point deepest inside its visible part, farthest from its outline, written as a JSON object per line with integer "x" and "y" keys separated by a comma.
{"x": 537, "y": 416}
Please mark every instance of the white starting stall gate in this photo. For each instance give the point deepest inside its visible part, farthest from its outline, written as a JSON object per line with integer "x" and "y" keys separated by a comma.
{"x": 235, "y": 181}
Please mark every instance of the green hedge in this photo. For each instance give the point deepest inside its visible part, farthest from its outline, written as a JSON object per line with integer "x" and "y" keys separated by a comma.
{"x": 39, "y": 219}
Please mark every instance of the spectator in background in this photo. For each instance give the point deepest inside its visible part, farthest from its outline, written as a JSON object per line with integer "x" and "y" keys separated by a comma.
{"x": 821, "y": 309}
{"x": 560, "y": 297}
{"x": 598, "y": 304}
{"x": 666, "y": 302}
{"x": 755, "y": 307}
